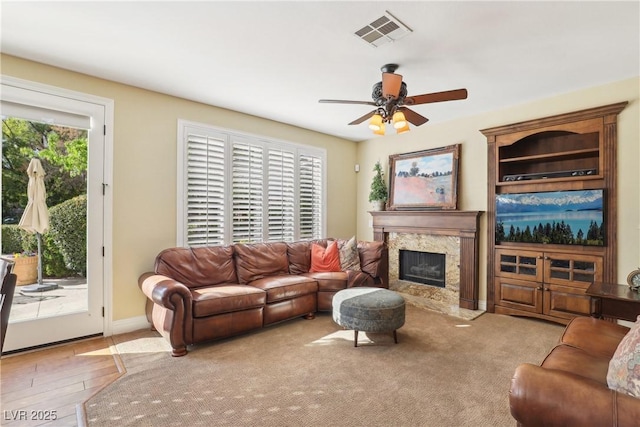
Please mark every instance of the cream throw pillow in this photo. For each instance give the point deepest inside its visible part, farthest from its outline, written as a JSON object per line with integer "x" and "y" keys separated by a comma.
{"x": 349, "y": 256}
{"x": 624, "y": 367}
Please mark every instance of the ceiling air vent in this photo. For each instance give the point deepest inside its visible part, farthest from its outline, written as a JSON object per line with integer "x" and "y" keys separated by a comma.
{"x": 383, "y": 30}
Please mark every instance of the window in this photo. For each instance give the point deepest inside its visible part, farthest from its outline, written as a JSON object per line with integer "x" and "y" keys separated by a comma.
{"x": 236, "y": 188}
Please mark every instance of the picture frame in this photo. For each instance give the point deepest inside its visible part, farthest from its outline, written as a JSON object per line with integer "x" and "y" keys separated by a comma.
{"x": 424, "y": 180}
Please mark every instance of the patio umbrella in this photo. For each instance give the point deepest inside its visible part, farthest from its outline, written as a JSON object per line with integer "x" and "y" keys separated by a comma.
{"x": 35, "y": 218}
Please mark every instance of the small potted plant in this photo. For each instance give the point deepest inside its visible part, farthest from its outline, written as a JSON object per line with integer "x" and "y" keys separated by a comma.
{"x": 378, "y": 195}
{"x": 25, "y": 267}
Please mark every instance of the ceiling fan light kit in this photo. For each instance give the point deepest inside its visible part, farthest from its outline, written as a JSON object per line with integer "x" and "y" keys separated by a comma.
{"x": 379, "y": 131}
{"x": 399, "y": 121}
{"x": 376, "y": 122}
{"x": 403, "y": 129}
{"x": 390, "y": 99}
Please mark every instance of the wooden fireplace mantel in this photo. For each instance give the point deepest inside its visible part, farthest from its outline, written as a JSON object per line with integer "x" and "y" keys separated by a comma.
{"x": 464, "y": 224}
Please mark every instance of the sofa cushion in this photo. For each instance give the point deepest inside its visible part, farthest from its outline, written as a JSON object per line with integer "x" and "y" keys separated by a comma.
{"x": 225, "y": 299}
{"x": 286, "y": 286}
{"x": 299, "y": 255}
{"x": 595, "y": 336}
{"x": 576, "y": 361}
{"x": 329, "y": 280}
{"x": 624, "y": 367}
{"x": 370, "y": 256}
{"x": 325, "y": 259}
{"x": 258, "y": 260}
{"x": 359, "y": 278}
{"x": 196, "y": 267}
{"x": 349, "y": 255}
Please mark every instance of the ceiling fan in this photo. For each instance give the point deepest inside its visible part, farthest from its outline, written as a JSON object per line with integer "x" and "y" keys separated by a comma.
{"x": 390, "y": 99}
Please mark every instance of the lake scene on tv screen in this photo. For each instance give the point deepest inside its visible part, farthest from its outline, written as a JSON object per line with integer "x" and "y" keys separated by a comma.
{"x": 558, "y": 217}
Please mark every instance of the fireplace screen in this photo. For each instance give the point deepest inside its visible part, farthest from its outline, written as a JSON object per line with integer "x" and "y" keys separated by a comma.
{"x": 422, "y": 267}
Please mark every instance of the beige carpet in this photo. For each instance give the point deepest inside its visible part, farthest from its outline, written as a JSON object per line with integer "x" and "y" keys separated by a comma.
{"x": 443, "y": 372}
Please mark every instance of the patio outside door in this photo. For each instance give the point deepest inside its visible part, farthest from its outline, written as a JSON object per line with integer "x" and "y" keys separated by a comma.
{"x": 73, "y": 306}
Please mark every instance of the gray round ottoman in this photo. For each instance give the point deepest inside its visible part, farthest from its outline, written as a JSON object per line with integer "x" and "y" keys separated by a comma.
{"x": 368, "y": 310}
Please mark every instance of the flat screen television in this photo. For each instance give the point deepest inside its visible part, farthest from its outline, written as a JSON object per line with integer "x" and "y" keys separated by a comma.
{"x": 572, "y": 217}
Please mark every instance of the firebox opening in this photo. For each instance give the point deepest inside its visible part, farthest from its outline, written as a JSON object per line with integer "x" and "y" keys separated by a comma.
{"x": 422, "y": 267}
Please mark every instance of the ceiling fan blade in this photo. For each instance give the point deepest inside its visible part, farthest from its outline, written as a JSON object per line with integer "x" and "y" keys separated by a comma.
{"x": 413, "y": 117}
{"x": 449, "y": 95}
{"x": 363, "y": 118}
{"x": 391, "y": 84}
{"x": 342, "y": 101}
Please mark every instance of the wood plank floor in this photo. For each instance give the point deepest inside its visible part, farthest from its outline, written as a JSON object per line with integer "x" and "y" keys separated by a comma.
{"x": 44, "y": 387}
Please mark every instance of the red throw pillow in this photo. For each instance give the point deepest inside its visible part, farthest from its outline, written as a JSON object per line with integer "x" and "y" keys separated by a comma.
{"x": 325, "y": 259}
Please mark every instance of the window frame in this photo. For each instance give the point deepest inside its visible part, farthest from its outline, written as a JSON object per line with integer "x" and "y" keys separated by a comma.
{"x": 230, "y": 137}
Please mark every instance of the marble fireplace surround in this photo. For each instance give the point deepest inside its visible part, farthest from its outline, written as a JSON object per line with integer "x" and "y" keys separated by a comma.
{"x": 452, "y": 232}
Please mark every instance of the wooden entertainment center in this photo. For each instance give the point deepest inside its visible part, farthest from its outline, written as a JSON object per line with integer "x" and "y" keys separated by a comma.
{"x": 573, "y": 151}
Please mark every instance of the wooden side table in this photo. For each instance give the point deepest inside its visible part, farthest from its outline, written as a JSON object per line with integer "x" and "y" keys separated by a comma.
{"x": 614, "y": 301}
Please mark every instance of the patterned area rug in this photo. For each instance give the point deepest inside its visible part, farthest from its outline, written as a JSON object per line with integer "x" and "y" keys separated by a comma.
{"x": 443, "y": 372}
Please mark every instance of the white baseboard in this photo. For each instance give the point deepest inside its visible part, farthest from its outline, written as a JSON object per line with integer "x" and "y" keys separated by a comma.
{"x": 482, "y": 305}
{"x": 129, "y": 325}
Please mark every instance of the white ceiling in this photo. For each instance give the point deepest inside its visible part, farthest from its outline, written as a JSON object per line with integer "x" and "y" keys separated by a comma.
{"x": 276, "y": 59}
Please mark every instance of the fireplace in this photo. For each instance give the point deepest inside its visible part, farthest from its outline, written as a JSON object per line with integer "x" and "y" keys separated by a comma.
{"x": 427, "y": 268}
{"x": 450, "y": 232}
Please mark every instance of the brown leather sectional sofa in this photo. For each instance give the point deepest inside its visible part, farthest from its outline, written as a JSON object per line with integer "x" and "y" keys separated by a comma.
{"x": 570, "y": 388}
{"x": 207, "y": 293}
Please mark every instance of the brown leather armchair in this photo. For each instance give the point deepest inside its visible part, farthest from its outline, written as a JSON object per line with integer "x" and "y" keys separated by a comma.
{"x": 569, "y": 388}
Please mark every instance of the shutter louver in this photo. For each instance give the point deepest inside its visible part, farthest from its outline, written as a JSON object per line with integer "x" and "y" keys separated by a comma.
{"x": 237, "y": 188}
{"x": 205, "y": 190}
{"x": 310, "y": 169}
{"x": 281, "y": 196}
{"x": 247, "y": 199}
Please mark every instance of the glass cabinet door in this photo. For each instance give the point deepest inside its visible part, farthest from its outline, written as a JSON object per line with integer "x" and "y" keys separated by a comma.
{"x": 523, "y": 265}
{"x": 572, "y": 269}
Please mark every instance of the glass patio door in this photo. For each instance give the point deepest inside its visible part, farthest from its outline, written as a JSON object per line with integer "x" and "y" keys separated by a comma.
{"x": 65, "y": 298}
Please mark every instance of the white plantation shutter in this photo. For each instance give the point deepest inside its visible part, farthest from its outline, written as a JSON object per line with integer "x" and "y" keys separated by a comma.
{"x": 281, "y": 195}
{"x": 247, "y": 192}
{"x": 311, "y": 196}
{"x": 205, "y": 190}
{"x": 241, "y": 189}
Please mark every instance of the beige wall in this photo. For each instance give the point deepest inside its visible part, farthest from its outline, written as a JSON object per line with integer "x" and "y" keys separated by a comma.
{"x": 144, "y": 165}
{"x": 472, "y": 191}
{"x": 144, "y": 169}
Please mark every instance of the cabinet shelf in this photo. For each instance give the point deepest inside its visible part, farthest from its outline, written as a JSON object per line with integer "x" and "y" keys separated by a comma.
{"x": 533, "y": 182}
{"x": 587, "y": 152}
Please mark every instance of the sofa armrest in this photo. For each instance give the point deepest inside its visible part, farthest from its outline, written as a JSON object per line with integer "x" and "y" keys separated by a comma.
{"x": 550, "y": 397}
{"x": 164, "y": 291}
{"x": 170, "y": 310}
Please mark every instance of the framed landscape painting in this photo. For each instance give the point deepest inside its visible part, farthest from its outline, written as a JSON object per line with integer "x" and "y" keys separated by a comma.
{"x": 425, "y": 179}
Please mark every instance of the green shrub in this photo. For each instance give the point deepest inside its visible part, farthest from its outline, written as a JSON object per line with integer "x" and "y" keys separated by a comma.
{"x": 64, "y": 246}
{"x": 52, "y": 259}
{"x": 53, "y": 264}
{"x": 11, "y": 239}
{"x": 67, "y": 228}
